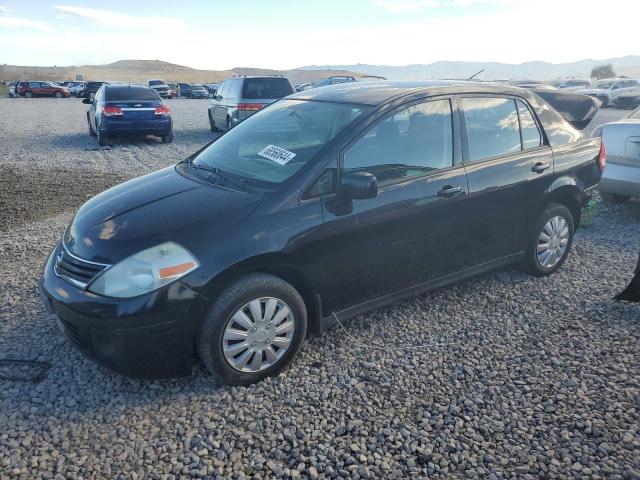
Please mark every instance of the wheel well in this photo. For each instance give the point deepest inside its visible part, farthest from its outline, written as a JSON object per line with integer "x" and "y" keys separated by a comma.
{"x": 567, "y": 196}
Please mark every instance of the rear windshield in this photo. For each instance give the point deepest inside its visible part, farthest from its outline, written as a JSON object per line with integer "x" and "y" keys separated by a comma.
{"x": 130, "y": 93}
{"x": 156, "y": 82}
{"x": 266, "y": 88}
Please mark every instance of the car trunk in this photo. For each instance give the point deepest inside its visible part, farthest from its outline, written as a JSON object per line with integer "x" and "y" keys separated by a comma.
{"x": 136, "y": 110}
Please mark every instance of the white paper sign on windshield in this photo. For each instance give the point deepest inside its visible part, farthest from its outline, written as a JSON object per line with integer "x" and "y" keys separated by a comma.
{"x": 277, "y": 154}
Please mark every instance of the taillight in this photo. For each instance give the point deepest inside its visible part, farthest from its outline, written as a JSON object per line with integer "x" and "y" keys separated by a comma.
{"x": 110, "y": 111}
{"x": 253, "y": 107}
{"x": 162, "y": 110}
{"x": 602, "y": 157}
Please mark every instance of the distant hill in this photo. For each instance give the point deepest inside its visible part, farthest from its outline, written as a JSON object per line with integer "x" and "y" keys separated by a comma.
{"x": 142, "y": 70}
{"x": 629, "y": 65}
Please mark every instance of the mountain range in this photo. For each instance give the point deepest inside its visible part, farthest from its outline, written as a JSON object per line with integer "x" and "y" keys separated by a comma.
{"x": 628, "y": 65}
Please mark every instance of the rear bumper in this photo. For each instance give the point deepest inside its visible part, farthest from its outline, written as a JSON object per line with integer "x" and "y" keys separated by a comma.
{"x": 159, "y": 126}
{"x": 150, "y": 336}
{"x": 621, "y": 179}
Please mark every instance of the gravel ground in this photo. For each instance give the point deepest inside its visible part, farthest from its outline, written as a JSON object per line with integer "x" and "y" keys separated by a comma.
{"x": 501, "y": 376}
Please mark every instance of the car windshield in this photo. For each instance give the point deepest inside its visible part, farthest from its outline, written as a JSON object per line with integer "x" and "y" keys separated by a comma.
{"x": 603, "y": 85}
{"x": 255, "y": 88}
{"x": 155, "y": 82}
{"x": 275, "y": 143}
{"x": 131, "y": 93}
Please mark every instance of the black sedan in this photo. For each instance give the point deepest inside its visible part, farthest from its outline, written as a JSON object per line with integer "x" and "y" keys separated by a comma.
{"x": 324, "y": 205}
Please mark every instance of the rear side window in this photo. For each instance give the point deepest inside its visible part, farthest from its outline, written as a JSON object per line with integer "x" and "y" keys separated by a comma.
{"x": 256, "y": 88}
{"x": 131, "y": 93}
{"x": 411, "y": 142}
{"x": 492, "y": 127}
{"x": 531, "y": 137}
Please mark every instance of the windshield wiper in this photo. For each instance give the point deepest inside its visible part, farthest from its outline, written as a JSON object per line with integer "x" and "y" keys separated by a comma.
{"x": 223, "y": 176}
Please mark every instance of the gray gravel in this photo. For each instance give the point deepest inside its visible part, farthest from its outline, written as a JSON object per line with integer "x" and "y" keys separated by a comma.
{"x": 502, "y": 376}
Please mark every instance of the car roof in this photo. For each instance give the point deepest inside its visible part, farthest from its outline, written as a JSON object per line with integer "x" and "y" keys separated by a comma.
{"x": 122, "y": 86}
{"x": 376, "y": 93}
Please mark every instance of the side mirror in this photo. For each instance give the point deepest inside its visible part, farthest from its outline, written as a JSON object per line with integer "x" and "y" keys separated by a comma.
{"x": 358, "y": 186}
{"x": 87, "y": 101}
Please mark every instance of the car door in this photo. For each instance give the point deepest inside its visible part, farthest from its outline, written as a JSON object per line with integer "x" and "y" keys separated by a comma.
{"x": 409, "y": 234}
{"x": 509, "y": 165}
{"x": 93, "y": 110}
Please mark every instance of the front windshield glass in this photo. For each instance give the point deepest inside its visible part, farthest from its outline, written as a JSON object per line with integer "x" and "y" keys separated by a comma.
{"x": 275, "y": 143}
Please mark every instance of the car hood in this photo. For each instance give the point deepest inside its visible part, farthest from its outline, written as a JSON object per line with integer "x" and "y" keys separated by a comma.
{"x": 155, "y": 208}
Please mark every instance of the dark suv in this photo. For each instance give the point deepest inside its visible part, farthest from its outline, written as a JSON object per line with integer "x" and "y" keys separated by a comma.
{"x": 240, "y": 97}
{"x": 324, "y": 205}
{"x": 90, "y": 89}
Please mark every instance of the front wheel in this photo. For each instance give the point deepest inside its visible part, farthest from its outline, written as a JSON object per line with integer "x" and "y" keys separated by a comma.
{"x": 550, "y": 241}
{"x": 212, "y": 123}
{"x": 254, "y": 329}
{"x": 58, "y": 95}
{"x": 28, "y": 94}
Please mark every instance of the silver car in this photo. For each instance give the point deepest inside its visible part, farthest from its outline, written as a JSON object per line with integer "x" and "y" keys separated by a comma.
{"x": 621, "y": 178}
{"x": 608, "y": 90}
{"x": 240, "y": 97}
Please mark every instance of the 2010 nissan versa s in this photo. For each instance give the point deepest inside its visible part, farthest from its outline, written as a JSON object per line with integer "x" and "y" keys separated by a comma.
{"x": 338, "y": 199}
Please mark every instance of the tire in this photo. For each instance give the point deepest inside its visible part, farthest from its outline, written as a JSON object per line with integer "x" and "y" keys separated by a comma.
{"x": 28, "y": 94}
{"x": 558, "y": 244}
{"x": 103, "y": 140}
{"x": 92, "y": 95}
{"x": 168, "y": 138}
{"x": 210, "y": 341}
{"x": 212, "y": 123}
{"x": 615, "y": 198}
{"x": 58, "y": 95}
{"x": 229, "y": 126}
{"x": 91, "y": 132}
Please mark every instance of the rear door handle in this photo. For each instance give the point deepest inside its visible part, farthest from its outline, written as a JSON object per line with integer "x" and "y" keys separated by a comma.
{"x": 449, "y": 191}
{"x": 540, "y": 167}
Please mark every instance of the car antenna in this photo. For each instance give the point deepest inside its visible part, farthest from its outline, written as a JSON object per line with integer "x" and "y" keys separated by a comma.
{"x": 475, "y": 74}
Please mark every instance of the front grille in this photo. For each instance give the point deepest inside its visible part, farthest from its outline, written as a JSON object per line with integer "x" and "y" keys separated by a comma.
{"x": 75, "y": 270}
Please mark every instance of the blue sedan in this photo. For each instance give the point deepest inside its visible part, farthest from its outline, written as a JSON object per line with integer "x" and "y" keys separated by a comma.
{"x": 128, "y": 110}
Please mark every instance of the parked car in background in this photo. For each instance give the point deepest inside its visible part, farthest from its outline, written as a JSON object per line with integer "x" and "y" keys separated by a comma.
{"x": 13, "y": 88}
{"x": 128, "y": 110}
{"x": 184, "y": 89}
{"x": 198, "y": 91}
{"x": 173, "y": 89}
{"x": 628, "y": 100}
{"x": 90, "y": 89}
{"x": 334, "y": 80}
{"x": 42, "y": 89}
{"x": 608, "y": 90}
{"x": 240, "y": 97}
{"x": 161, "y": 88}
{"x": 325, "y": 205}
{"x": 621, "y": 178}
{"x": 76, "y": 88}
{"x": 212, "y": 88}
{"x": 573, "y": 84}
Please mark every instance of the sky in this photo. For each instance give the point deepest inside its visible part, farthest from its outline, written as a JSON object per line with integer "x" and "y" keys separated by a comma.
{"x": 222, "y": 34}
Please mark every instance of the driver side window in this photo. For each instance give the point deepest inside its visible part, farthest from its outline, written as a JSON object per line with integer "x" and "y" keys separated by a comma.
{"x": 408, "y": 143}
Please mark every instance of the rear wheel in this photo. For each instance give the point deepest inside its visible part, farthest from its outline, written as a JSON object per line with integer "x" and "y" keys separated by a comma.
{"x": 167, "y": 138}
{"x": 103, "y": 140}
{"x": 615, "y": 198}
{"x": 550, "y": 241}
{"x": 212, "y": 123}
{"x": 254, "y": 329}
{"x": 229, "y": 124}
{"x": 91, "y": 132}
{"x": 28, "y": 94}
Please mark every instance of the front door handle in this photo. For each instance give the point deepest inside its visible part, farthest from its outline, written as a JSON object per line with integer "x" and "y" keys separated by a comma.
{"x": 540, "y": 167}
{"x": 449, "y": 191}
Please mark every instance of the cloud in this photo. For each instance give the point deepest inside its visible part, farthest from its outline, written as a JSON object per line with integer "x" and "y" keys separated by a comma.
{"x": 398, "y": 6}
{"x": 13, "y": 22}
{"x": 112, "y": 19}
{"x": 5, "y": 10}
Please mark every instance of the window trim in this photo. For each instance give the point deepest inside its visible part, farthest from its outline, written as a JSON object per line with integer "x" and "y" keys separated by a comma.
{"x": 455, "y": 152}
{"x": 464, "y": 139}
{"x": 522, "y": 149}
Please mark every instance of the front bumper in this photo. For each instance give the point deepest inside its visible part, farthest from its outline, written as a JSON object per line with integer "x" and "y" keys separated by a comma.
{"x": 150, "y": 336}
{"x": 621, "y": 179}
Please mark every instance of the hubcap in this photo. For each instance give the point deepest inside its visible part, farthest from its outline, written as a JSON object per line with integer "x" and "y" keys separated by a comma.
{"x": 553, "y": 242}
{"x": 258, "y": 334}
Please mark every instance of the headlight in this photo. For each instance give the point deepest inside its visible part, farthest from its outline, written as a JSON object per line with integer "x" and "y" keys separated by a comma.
{"x": 145, "y": 271}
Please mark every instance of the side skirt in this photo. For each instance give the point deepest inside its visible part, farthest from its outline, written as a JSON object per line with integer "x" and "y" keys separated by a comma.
{"x": 355, "y": 310}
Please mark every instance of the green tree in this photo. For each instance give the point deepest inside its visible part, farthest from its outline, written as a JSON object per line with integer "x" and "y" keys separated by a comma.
{"x": 602, "y": 71}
